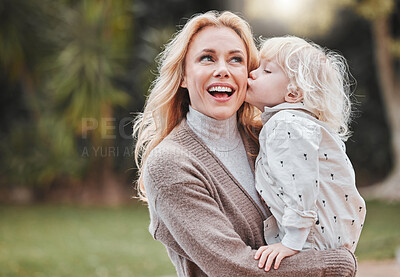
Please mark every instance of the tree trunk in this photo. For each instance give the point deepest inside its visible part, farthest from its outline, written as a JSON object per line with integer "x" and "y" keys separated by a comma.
{"x": 389, "y": 189}
{"x": 103, "y": 185}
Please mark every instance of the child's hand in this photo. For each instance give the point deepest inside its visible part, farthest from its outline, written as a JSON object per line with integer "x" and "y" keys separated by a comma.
{"x": 275, "y": 251}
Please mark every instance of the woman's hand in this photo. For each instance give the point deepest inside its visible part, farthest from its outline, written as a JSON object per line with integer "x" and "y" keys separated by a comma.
{"x": 267, "y": 254}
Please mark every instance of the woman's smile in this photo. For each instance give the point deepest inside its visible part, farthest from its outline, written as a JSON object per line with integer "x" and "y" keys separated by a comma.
{"x": 221, "y": 91}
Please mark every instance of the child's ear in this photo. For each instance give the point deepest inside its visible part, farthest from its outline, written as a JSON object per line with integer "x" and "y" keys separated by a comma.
{"x": 294, "y": 95}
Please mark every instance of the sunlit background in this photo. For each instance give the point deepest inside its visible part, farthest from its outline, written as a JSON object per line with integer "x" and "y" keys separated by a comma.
{"x": 74, "y": 74}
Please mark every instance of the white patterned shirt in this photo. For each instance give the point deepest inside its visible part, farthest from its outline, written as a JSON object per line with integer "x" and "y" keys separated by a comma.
{"x": 308, "y": 182}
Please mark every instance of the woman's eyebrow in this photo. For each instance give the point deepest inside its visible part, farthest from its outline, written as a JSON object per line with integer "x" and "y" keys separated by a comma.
{"x": 206, "y": 50}
{"x": 209, "y": 51}
{"x": 236, "y": 51}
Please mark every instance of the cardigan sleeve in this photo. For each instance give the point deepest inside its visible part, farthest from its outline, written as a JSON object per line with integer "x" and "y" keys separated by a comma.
{"x": 202, "y": 234}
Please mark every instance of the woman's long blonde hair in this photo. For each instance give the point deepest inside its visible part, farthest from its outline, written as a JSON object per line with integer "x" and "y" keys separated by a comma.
{"x": 321, "y": 74}
{"x": 168, "y": 103}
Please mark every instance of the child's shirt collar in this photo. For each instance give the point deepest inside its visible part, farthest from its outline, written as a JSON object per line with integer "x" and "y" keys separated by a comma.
{"x": 270, "y": 111}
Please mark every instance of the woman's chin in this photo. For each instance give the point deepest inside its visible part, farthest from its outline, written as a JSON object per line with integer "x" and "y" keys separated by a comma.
{"x": 222, "y": 114}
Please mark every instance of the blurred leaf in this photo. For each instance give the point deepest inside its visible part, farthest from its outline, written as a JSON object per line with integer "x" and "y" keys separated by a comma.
{"x": 91, "y": 56}
{"x": 374, "y": 9}
{"x": 395, "y": 48}
{"x": 23, "y": 27}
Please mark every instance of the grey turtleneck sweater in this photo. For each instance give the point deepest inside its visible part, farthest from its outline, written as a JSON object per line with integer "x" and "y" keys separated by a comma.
{"x": 224, "y": 140}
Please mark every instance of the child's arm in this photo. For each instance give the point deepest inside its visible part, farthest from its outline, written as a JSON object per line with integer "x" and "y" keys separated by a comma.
{"x": 293, "y": 159}
{"x": 292, "y": 173}
{"x": 291, "y": 244}
{"x": 295, "y": 238}
{"x": 267, "y": 254}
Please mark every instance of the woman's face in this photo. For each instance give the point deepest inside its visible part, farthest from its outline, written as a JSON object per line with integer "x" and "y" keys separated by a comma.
{"x": 216, "y": 72}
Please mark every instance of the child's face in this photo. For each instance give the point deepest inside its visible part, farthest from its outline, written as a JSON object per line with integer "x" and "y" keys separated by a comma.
{"x": 267, "y": 85}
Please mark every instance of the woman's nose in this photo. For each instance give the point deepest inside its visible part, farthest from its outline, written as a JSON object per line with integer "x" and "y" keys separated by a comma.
{"x": 221, "y": 70}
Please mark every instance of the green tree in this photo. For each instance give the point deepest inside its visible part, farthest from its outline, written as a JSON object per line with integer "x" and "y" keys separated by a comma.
{"x": 67, "y": 56}
{"x": 92, "y": 50}
{"x": 32, "y": 141}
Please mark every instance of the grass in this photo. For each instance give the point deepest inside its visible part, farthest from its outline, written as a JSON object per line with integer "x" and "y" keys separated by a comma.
{"x": 76, "y": 241}
{"x": 380, "y": 238}
{"x": 72, "y": 241}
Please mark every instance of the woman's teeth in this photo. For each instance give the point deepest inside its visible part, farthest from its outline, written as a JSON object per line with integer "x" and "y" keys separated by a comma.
{"x": 220, "y": 92}
{"x": 220, "y": 89}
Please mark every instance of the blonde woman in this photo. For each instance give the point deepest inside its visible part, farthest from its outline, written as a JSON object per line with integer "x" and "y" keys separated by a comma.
{"x": 302, "y": 170}
{"x": 196, "y": 145}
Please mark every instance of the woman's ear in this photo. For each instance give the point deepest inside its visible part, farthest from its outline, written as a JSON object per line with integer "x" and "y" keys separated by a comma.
{"x": 183, "y": 82}
{"x": 294, "y": 95}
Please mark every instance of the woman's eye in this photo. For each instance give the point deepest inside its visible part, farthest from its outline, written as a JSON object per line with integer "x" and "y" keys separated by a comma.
{"x": 237, "y": 59}
{"x": 206, "y": 58}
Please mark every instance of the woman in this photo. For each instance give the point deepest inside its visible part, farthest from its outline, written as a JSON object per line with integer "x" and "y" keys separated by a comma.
{"x": 196, "y": 142}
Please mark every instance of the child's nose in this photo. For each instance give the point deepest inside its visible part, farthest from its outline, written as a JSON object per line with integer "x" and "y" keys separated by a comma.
{"x": 252, "y": 74}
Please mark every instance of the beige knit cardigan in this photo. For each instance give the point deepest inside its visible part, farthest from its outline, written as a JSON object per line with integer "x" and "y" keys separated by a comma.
{"x": 208, "y": 222}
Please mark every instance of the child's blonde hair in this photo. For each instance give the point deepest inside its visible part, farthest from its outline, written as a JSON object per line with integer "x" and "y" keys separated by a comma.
{"x": 321, "y": 74}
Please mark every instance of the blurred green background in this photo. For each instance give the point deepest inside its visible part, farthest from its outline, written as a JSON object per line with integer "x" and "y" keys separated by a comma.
{"x": 73, "y": 75}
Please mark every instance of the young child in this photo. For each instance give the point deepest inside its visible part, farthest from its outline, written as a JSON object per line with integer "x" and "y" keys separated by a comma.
{"x": 302, "y": 170}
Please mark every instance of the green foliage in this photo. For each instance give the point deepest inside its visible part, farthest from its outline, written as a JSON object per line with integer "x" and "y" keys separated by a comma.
{"x": 91, "y": 51}
{"x": 65, "y": 56}
{"x": 38, "y": 155}
{"x": 20, "y": 22}
{"x": 375, "y": 9}
{"x": 395, "y": 48}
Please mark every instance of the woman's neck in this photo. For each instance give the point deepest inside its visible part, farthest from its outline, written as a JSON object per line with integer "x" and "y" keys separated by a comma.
{"x": 223, "y": 138}
{"x": 222, "y": 135}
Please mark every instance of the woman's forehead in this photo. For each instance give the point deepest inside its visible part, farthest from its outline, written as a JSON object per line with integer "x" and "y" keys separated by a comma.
{"x": 212, "y": 38}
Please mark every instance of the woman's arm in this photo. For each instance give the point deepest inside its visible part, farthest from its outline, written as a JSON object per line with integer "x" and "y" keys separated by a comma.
{"x": 192, "y": 225}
